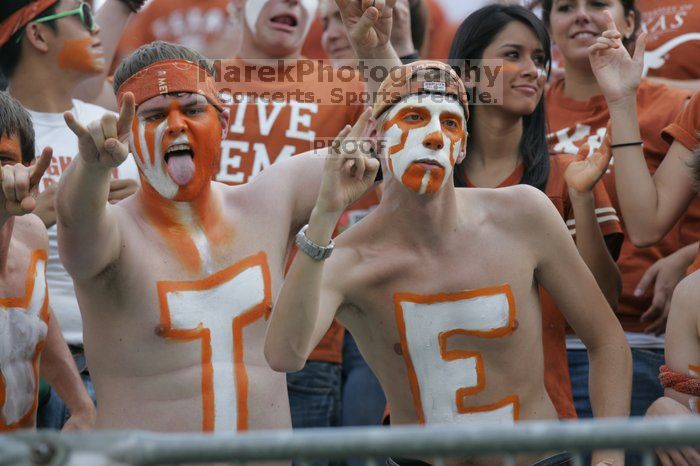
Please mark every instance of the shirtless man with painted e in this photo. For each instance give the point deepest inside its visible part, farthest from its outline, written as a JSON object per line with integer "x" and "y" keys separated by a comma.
{"x": 175, "y": 284}
{"x": 439, "y": 286}
{"x": 28, "y": 330}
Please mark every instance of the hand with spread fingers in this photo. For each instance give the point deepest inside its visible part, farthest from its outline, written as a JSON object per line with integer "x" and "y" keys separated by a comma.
{"x": 18, "y": 183}
{"x": 584, "y": 173}
{"x": 368, "y": 22}
{"x": 105, "y": 143}
{"x": 618, "y": 74}
{"x": 350, "y": 169}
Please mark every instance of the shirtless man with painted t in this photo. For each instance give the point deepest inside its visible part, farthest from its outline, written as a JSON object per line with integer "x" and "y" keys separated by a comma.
{"x": 175, "y": 284}
{"x": 439, "y": 286}
{"x": 31, "y": 343}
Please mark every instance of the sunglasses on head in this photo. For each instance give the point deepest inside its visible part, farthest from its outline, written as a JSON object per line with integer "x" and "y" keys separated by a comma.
{"x": 83, "y": 10}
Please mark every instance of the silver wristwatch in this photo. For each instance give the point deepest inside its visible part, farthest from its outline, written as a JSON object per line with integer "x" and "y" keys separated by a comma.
{"x": 313, "y": 250}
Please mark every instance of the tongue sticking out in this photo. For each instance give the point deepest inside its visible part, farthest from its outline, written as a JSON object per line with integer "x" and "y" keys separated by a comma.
{"x": 181, "y": 169}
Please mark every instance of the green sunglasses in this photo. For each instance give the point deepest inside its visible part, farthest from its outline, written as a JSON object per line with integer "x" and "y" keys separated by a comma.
{"x": 84, "y": 11}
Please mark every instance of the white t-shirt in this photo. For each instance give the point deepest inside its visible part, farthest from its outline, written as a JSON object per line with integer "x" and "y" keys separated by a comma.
{"x": 51, "y": 130}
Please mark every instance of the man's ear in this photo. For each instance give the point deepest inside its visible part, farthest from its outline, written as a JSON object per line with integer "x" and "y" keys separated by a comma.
{"x": 37, "y": 36}
{"x": 224, "y": 118}
{"x": 463, "y": 150}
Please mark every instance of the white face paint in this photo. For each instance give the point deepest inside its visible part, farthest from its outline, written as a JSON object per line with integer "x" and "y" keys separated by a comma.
{"x": 438, "y": 379}
{"x": 220, "y": 305}
{"x": 153, "y": 166}
{"x": 253, "y": 8}
{"x": 21, "y": 330}
{"x": 424, "y": 128}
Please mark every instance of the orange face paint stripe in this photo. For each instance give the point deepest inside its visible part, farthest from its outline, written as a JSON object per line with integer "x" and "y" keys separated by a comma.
{"x": 452, "y": 355}
{"x": 239, "y": 324}
{"x": 76, "y": 54}
{"x": 28, "y": 420}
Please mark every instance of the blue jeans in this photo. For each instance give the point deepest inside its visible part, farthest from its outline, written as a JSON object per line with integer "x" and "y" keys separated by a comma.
{"x": 52, "y": 412}
{"x": 314, "y": 397}
{"x": 363, "y": 397}
{"x": 646, "y": 387}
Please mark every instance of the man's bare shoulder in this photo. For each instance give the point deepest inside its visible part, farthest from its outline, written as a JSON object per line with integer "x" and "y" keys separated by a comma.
{"x": 30, "y": 231}
{"x": 282, "y": 180}
{"x": 519, "y": 206}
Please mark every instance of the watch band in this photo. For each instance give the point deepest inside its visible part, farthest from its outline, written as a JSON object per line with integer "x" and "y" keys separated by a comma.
{"x": 311, "y": 249}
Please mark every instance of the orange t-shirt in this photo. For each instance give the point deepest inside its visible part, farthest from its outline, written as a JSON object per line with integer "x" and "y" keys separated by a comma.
{"x": 556, "y": 373}
{"x": 574, "y": 123}
{"x": 441, "y": 33}
{"x": 673, "y": 44}
{"x": 313, "y": 47}
{"x": 685, "y": 128}
{"x": 193, "y": 23}
{"x": 282, "y": 111}
{"x": 276, "y": 116}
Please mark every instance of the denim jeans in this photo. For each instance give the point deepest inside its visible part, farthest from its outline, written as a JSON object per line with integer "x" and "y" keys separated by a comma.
{"x": 314, "y": 397}
{"x": 646, "y": 387}
{"x": 363, "y": 397}
{"x": 52, "y": 412}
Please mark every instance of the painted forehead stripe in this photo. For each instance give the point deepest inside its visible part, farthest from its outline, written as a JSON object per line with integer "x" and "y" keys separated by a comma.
{"x": 170, "y": 77}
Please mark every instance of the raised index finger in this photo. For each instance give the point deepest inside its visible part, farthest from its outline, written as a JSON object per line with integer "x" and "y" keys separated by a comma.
{"x": 609, "y": 21}
{"x": 126, "y": 115}
{"x": 41, "y": 165}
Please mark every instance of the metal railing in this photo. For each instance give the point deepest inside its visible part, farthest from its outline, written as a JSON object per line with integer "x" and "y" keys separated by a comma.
{"x": 137, "y": 448}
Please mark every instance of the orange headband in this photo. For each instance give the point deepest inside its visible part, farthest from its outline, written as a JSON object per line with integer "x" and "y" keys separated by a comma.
{"x": 409, "y": 80}
{"x": 21, "y": 18}
{"x": 170, "y": 77}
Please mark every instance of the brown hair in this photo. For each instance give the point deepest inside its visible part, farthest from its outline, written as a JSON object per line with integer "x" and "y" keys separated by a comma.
{"x": 627, "y": 5}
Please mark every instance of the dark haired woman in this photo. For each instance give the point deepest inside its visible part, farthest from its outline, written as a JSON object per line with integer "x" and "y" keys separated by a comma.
{"x": 578, "y": 114}
{"x": 507, "y": 145}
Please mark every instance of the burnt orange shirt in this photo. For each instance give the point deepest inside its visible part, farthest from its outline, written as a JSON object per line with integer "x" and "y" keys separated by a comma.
{"x": 685, "y": 131}
{"x": 673, "y": 45}
{"x": 574, "y": 123}
{"x": 441, "y": 33}
{"x": 192, "y": 23}
{"x": 279, "y": 112}
{"x": 556, "y": 374}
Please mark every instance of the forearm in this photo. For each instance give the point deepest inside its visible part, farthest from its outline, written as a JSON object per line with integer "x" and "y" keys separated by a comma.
{"x": 112, "y": 18}
{"x": 376, "y": 63}
{"x": 81, "y": 200}
{"x": 59, "y": 370}
{"x": 295, "y": 325}
{"x": 593, "y": 249}
{"x": 610, "y": 376}
{"x": 636, "y": 189}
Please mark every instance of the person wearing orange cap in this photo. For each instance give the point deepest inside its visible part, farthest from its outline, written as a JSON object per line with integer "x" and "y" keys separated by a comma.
{"x": 439, "y": 285}
{"x": 176, "y": 283}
